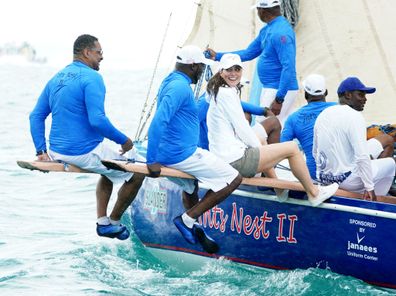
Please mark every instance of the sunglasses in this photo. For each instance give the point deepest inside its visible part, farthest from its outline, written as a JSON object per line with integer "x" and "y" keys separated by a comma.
{"x": 99, "y": 51}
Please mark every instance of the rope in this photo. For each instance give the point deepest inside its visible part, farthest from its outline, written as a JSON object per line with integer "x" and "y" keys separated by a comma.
{"x": 146, "y": 120}
{"x": 289, "y": 10}
{"x": 198, "y": 86}
{"x": 207, "y": 74}
{"x": 282, "y": 167}
{"x": 140, "y": 128}
{"x": 129, "y": 160}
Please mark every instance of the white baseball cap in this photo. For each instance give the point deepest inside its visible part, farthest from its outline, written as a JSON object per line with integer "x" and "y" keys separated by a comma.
{"x": 267, "y": 3}
{"x": 191, "y": 54}
{"x": 228, "y": 60}
{"x": 315, "y": 84}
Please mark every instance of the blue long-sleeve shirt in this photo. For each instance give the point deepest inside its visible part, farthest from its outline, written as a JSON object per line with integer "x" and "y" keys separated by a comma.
{"x": 174, "y": 130}
{"x": 75, "y": 98}
{"x": 276, "y": 47}
{"x": 300, "y": 125}
{"x": 203, "y": 106}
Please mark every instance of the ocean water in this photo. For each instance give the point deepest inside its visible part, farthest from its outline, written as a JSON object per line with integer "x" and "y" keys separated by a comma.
{"x": 48, "y": 244}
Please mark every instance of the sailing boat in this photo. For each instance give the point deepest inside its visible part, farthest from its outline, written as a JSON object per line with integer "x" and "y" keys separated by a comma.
{"x": 348, "y": 236}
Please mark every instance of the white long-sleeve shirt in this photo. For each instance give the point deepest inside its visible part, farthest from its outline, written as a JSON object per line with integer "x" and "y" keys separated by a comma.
{"x": 229, "y": 132}
{"x": 340, "y": 146}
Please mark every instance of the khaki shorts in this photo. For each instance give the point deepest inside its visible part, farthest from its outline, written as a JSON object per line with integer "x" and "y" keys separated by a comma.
{"x": 247, "y": 165}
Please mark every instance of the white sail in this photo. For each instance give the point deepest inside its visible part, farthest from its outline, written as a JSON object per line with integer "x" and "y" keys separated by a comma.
{"x": 225, "y": 25}
{"x": 335, "y": 38}
{"x": 351, "y": 38}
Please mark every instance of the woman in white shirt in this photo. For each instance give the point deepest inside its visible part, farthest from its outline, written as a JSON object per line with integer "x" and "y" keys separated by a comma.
{"x": 232, "y": 139}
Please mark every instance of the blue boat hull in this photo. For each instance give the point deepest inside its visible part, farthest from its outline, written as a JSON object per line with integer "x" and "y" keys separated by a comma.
{"x": 350, "y": 237}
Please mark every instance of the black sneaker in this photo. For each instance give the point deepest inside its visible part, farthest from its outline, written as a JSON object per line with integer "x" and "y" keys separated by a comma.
{"x": 207, "y": 243}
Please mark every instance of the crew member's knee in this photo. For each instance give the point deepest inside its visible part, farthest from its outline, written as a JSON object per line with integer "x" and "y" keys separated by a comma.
{"x": 385, "y": 140}
{"x": 271, "y": 124}
{"x": 294, "y": 147}
{"x": 276, "y": 123}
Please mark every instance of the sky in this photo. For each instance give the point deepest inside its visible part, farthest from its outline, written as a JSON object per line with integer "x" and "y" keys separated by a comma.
{"x": 130, "y": 31}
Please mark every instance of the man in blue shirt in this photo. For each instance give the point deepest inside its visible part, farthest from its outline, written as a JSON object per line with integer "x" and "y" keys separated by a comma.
{"x": 300, "y": 124}
{"x": 75, "y": 98}
{"x": 276, "y": 67}
{"x": 173, "y": 141}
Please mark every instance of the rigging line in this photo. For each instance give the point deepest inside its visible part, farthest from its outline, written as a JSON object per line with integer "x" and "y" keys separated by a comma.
{"x": 183, "y": 39}
{"x": 139, "y": 131}
{"x": 171, "y": 64}
{"x": 146, "y": 120}
{"x": 207, "y": 74}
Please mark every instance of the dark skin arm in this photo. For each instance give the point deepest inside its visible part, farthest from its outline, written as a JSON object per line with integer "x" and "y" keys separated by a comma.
{"x": 276, "y": 107}
{"x": 369, "y": 195}
{"x": 43, "y": 157}
{"x": 126, "y": 146}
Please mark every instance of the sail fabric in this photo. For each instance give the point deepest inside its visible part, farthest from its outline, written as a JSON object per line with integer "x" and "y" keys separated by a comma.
{"x": 335, "y": 38}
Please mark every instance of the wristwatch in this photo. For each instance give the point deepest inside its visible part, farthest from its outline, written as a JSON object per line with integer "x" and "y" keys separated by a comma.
{"x": 41, "y": 152}
{"x": 265, "y": 111}
{"x": 279, "y": 100}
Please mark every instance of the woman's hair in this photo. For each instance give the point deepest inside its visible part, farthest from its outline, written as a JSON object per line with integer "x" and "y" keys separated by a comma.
{"x": 215, "y": 83}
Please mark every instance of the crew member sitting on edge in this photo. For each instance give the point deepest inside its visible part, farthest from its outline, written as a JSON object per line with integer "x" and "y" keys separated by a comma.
{"x": 173, "y": 139}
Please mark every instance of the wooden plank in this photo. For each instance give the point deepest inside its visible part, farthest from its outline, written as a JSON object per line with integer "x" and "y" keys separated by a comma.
{"x": 50, "y": 166}
{"x": 255, "y": 181}
{"x": 169, "y": 172}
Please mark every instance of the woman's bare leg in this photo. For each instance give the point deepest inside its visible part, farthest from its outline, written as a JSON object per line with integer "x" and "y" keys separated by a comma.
{"x": 270, "y": 155}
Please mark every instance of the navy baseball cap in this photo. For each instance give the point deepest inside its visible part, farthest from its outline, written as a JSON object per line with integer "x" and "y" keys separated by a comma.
{"x": 352, "y": 84}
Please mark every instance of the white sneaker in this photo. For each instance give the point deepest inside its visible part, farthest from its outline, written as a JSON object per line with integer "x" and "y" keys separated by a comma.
{"x": 325, "y": 192}
{"x": 284, "y": 196}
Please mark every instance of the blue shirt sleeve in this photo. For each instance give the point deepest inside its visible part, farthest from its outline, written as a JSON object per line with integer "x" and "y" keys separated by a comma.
{"x": 37, "y": 120}
{"x": 94, "y": 100}
{"x": 252, "y": 109}
{"x": 284, "y": 46}
{"x": 288, "y": 130}
{"x": 166, "y": 108}
{"x": 203, "y": 107}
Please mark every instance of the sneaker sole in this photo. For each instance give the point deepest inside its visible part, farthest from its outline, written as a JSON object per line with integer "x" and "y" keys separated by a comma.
{"x": 123, "y": 235}
{"x": 207, "y": 244}
{"x": 111, "y": 235}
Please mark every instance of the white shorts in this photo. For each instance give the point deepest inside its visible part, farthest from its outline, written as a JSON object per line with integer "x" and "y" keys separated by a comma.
{"x": 375, "y": 148}
{"x": 207, "y": 168}
{"x": 92, "y": 162}
{"x": 268, "y": 96}
{"x": 383, "y": 173}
